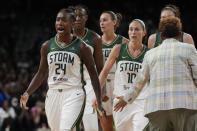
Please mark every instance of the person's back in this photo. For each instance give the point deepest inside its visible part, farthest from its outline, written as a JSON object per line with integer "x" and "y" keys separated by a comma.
{"x": 171, "y": 76}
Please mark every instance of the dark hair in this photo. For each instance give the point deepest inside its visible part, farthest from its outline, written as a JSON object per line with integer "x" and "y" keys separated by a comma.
{"x": 80, "y": 6}
{"x": 117, "y": 17}
{"x": 172, "y": 8}
{"x": 70, "y": 12}
{"x": 170, "y": 27}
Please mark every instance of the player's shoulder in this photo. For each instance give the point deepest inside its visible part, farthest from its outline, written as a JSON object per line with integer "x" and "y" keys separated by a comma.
{"x": 151, "y": 40}
{"x": 152, "y": 36}
{"x": 124, "y": 40}
{"x": 187, "y": 38}
{"x": 45, "y": 44}
{"x": 95, "y": 36}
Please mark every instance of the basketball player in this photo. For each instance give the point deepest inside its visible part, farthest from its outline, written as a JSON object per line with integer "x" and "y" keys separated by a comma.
{"x": 109, "y": 21}
{"x": 128, "y": 58}
{"x": 90, "y": 119}
{"x": 62, "y": 58}
{"x": 169, "y": 10}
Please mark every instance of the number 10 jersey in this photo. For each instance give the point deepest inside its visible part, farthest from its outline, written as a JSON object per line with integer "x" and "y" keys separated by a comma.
{"x": 127, "y": 68}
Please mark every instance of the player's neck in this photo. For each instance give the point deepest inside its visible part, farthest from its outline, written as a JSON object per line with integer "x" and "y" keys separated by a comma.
{"x": 109, "y": 37}
{"x": 135, "y": 49}
{"x": 135, "y": 46}
{"x": 64, "y": 40}
{"x": 80, "y": 32}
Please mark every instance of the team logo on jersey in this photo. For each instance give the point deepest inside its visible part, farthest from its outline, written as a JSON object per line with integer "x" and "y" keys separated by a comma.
{"x": 52, "y": 48}
{"x": 60, "y": 79}
{"x": 126, "y": 87}
{"x": 124, "y": 57}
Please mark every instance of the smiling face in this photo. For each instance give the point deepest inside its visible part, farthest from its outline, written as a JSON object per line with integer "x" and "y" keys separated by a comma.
{"x": 106, "y": 22}
{"x": 63, "y": 23}
{"x": 81, "y": 18}
{"x": 136, "y": 31}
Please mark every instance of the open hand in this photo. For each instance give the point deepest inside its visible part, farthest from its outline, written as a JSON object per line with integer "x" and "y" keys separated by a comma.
{"x": 120, "y": 105}
{"x": 23, "y": 101}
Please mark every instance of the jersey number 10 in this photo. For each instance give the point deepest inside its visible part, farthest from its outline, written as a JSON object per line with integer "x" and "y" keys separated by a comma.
{"x": 131, "y": 77}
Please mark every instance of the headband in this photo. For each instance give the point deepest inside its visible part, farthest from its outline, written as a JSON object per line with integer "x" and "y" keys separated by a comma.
{"x": 141, "y": 22}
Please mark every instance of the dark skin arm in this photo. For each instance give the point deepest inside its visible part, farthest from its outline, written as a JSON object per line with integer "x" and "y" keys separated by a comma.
{"x": 98, "y": 58}
{"x": 98, "y": 55}
{"x": 88, "y": 60}
{"x": 38, "y": 78}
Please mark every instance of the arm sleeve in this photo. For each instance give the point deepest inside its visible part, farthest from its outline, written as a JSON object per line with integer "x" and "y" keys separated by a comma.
{"x": 142, "y": 77}
{"x": 192, "y": 60}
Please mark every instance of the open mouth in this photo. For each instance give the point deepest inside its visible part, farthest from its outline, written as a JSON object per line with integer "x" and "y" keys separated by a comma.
{"x": 102, "y": 27}
{"x": 134, "y": 37}
{"x": 60, "y": 29}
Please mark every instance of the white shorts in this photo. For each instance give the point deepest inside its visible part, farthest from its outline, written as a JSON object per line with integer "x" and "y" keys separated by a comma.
{"x": 90, "y": 119}
{"x": 90, "y": 95}
{"x": 90, "y": 122}
{"x": 131, "y": 118}
{"x": 64, "y": 108}
{"x": 108, "y": 105}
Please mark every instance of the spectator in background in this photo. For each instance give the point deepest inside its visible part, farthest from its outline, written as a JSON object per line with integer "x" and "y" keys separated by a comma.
{"x": 39, "y": 117}
{"x": 3, "y": 95}
{"x": 7, "y": 115}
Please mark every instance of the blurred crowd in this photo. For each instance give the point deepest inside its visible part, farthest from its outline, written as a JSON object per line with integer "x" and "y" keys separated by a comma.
{"x": 16, "y": 70}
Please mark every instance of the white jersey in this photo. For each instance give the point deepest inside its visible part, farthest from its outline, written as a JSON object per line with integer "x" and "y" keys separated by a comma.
{"x": 127, "y": 69}
{"x": 106, "y": 51}
{"x": 88, "y": 39}
{"x": 64, "y": 65}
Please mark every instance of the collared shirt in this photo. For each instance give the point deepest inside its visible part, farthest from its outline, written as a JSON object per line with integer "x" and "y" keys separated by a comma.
{"x": 171, "y": 70}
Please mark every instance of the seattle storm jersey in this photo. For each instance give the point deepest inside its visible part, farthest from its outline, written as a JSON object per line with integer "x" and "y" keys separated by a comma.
{"x": 64, "y": 64}
{"x": 127, "y": 68}
{"x": 106, "y": 48}
{"x": 88, "y": 39}
{"x": 158, "y": 40}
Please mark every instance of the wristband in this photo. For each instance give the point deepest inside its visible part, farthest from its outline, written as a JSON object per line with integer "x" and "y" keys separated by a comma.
{"x": 25, "y": 94}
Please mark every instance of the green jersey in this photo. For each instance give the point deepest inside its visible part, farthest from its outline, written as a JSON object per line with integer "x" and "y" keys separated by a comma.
{"x": 88, "y": 39}
{"x": 158, "y": 40}
{"x": 64, "y": 64}
{"x": 106, "y": 48}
